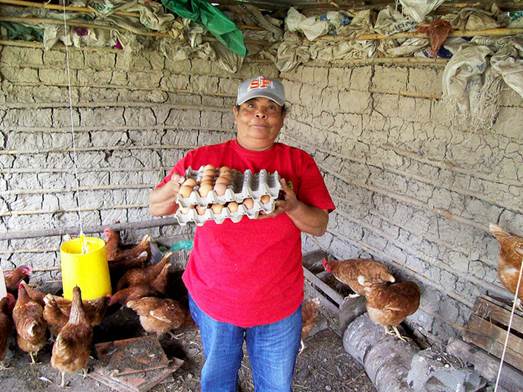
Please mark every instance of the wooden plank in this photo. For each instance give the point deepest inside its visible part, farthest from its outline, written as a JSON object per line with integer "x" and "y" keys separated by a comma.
{"x": 486, "y": 365}
{"x": 491, "y": 338}
{"x": 73, "y": 230}
{"x": 488, "y": 310}
{"x": 324, "y": 301}
{"x": 333, "y": 294}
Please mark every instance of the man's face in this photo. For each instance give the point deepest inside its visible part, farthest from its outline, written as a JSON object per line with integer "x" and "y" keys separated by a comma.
{"x": 258, "y": 121}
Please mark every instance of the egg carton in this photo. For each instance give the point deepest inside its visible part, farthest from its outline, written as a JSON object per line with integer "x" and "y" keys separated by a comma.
{"x": 190, "y": 214}
{"x": 244, "y": 185}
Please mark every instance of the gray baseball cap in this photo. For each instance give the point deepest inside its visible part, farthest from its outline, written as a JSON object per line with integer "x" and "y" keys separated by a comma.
{"x": 258, "y": 87}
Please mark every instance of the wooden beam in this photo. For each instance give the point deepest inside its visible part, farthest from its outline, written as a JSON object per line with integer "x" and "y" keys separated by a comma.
{"x": 486, "y": 365}
{"x": 491, "y": 338}
{"x": 56, "y": 7}
{"x": 73, "y": 230}
{"x": 333, "y": 294}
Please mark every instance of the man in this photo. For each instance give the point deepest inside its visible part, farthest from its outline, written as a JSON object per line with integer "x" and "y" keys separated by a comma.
{"x": 245, "y": 279}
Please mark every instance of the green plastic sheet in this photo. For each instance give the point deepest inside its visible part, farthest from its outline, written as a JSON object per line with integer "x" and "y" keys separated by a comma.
{"x": 219, "y": 25}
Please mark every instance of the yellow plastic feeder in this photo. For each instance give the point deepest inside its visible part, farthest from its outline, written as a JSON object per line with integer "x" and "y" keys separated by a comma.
{"x": 86, "y": 268}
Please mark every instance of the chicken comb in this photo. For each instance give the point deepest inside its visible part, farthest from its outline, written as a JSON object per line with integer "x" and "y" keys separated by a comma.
{"x": 325, "y": 263}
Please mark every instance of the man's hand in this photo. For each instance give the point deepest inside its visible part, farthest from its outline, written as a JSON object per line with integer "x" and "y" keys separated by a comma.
{"x": 162, "y": 201}
{"x": 311, "y": 220}
{"x": 289, "y": 202}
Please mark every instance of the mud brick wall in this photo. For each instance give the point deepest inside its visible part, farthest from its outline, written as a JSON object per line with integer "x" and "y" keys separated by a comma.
{"x": 412, "y": 187}
{"x": 134, "y": 117}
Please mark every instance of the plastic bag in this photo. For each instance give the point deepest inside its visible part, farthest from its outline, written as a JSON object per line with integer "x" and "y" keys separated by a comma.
{"x": 213, "y": 19}
{"x": 418, "y": 9}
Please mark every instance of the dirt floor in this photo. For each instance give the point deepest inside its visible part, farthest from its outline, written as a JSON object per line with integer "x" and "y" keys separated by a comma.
{"x": 322, "y": 366}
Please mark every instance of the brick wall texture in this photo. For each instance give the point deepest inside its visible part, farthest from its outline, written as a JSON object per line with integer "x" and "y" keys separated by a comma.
{"x": 413, "y": 187}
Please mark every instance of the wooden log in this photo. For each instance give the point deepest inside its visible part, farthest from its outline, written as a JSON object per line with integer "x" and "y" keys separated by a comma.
{"x": 350, "y": 308}
{"x": 386, "y": 358}
{"x": 413, "y": 34}
{"x": 486, "y": 365}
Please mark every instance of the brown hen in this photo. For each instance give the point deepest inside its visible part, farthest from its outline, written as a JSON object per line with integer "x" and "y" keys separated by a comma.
{"x": 131, "y": 293}
{"x": 73, "y": 344}
{"x": 389, "y": 304}
{"x": 147, "y": 275}
{"x": 15, "y": 276}
{"x": 35, "y": 294}
{"x": 6, "y": 307}
{"x": 55, "y": 318}
{"x": 509, "y": 261}
{"x": 117, "y": 254}
{"x": 94, "y": 308}
{"x": 309, "y": 315}
{"x": 29, "y": 322}
{"x": 347, "y": 272}
{"x": 157, "y": 315}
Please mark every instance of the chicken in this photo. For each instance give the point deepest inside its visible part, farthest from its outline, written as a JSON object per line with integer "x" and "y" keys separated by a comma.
{"x": 389, "y": 304}
{"x": 6, "y": 307}
{"x": 53, "y": 315}
{"x": 29, "y": 323}
{"x": 509, "y": 262}
{"x": 347, "y": 272}
{"x": 131, "y": 293}
{"x": 116, "y": 253}
{"x": 158, "y": 315}
{"x": 147, "y": 275}
{"x": 118, "y": 268}
{"x": 73, "y": 344}
{"x": 112, "y": 243}
{"x": 309, "y": 314}
{"x": 35, "y": 294}
{"x": 14, "y": 277}
{"x": 438, "y": 31}
{"x": 94, "y": 309}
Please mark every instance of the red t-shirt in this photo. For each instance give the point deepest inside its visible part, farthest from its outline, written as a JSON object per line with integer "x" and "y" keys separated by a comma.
{"x": 250, "y": 273}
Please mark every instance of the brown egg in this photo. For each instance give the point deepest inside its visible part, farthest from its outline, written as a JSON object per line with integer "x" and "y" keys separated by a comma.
{"x": 220, "y": 189}
{"x": 207, "y": 179}
{"x": 189, "y": 182}
{"x": 248, "y": 203}
{"x": 225, "y": 169}
{"x": 217, "y": 208}
{"x": 223, "y": 180}
{"x": 209, "y": 173}
{"x": 201, "y": 210}
{"x": 208, "y": 167}
{"x": 265, "y": 199}
{"x": 185, "y": 190}
{"x": 232, "y": 206}
{"x": 225, "y": 175}
{"x": 205, "y": 188}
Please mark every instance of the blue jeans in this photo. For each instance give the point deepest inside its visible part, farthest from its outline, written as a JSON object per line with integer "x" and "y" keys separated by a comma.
{"x": 272, "y": 349}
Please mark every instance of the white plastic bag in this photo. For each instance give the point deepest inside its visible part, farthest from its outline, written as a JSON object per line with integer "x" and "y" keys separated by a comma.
{"x": 418, "y": 9}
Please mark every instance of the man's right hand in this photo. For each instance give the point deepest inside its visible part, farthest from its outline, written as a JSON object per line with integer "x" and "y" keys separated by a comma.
{"x": 162, "y": 201}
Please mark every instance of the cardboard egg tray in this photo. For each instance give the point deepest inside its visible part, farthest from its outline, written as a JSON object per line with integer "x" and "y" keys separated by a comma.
{"x": 244, "y": 186}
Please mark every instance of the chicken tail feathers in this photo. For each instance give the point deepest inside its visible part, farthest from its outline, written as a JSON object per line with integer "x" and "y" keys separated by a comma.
{"x": 77, "y": 314}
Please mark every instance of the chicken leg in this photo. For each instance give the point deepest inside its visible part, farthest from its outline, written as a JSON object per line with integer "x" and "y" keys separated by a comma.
{"x": 32, "y": 355}
{"x": 398, "y": 334}
{"x": 62, "y": 384}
